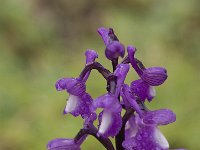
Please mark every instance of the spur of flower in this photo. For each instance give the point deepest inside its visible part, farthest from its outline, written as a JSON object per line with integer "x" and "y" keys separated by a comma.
{"x": 138, "y": 127}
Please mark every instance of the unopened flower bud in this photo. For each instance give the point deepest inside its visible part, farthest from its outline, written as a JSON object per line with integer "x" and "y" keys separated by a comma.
{"x": 114, "y": 50}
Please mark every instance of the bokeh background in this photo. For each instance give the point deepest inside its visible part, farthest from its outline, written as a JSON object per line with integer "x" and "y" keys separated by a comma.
{"x": 44, "y": 40}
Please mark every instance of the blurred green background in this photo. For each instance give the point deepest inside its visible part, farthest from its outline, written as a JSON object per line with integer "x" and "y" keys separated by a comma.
{"x": 44, "y": 40}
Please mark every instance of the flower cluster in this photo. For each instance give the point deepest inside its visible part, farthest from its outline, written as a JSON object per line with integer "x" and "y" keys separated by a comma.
{"x": 137, "y": 128}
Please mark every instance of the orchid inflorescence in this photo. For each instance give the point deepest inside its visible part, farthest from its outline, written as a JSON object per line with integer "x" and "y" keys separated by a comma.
{"x": 137, "y": 128}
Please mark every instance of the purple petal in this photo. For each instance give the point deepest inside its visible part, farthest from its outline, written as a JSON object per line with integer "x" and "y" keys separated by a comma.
{"x": 107, "y": 101}
{"x": 73, "y": 86}
{"x": 103, "y": 32}
{"x": 125, "y": 101}
{"x": 131, "y": 99}
{"x": 63, "y": 144}
{"x": 142, "y": 90}
{"x": 154, "y": 76}
{"x": 63, "y": 83}
{"x": 91, "y": 55}
{"x": 79, "y": 105}
{"x": 114, "y": 50}
{"x": 121, "y": 72}
{"x": 159, "y": 117}
{"x": 110, "y": 123}
{"x": 107, "y": 35}
{"x": 131, "y": 54}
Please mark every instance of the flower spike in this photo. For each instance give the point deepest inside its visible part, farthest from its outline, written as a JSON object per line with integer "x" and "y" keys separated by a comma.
{"x": 134, "y": 128}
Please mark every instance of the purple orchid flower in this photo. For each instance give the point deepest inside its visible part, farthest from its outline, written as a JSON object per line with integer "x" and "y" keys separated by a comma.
{"x": 150, "y": 77}
{"x": 79, "y": 102}
{"x": 143, "y": 132}
{"x": 110, "y": 119}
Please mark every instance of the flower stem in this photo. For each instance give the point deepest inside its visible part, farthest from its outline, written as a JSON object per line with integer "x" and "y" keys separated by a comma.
{"x": 95, "y": 65}
{"x": 114, "y": 63}
{"x": 93, "y": 131}
{"x": 120, "y": 137}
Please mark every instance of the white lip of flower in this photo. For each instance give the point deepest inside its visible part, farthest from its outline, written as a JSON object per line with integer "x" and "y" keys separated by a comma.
{"x": 160, "y": 139}
{"x": 106, "y": 121}
{"x": 152, "y": 91}
{"x": 71, "y": 103}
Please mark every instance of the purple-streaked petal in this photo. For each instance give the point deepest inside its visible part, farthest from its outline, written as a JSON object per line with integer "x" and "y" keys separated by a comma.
{"x": 131, "y": 54}
{"x": 154, "y": 76}
{"x": 73, "y": 86}
{"x": 91, "y": 55}
{"x": 131, "y": 99}
{"x": 107, "y": 101}
{"x": 142, "y": 90}
{"x": 121, "y": 72}
{"x": 63, "y": 144}
{"x": 107, "y": 35}
{"x": 110, "y": 123}
{"x": 159, "y": 117}
{"x": 79, "y": 105}
{"x": 114, "y": 50}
